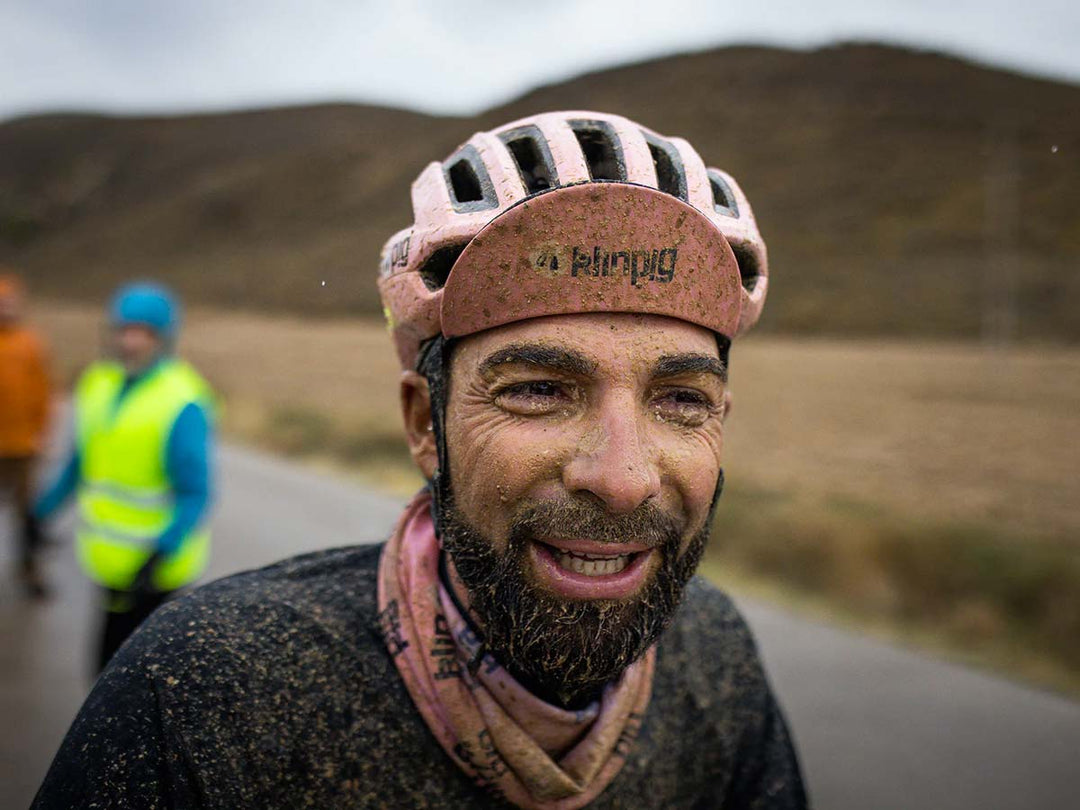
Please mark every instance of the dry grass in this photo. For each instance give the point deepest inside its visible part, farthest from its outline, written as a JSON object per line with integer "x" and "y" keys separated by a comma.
{"x": 926, "y": 489}
{"x": 972, "y": 590}
{"x": 935, "y": 431}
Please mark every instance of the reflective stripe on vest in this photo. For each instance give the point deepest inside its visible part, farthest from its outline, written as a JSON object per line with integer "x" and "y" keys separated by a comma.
{"x": 125, "y": 497}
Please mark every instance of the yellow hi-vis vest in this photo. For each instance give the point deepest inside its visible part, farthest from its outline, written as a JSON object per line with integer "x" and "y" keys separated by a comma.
{"x": 125, "y": 499}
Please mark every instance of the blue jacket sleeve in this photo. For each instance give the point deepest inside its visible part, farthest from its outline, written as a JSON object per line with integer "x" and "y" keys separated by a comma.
{"x": 61, "y": 487}
{"x": 187, "y": 463}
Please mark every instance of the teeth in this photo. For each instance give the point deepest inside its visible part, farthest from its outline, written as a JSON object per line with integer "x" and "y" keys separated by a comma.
{"x": 591, "y": 565}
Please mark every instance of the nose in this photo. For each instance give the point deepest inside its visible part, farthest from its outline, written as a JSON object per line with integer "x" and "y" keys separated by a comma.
{"x": 615, "y": 460}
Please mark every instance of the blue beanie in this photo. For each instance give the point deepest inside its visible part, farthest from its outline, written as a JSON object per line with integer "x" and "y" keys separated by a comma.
{"x": 146, "y": 304}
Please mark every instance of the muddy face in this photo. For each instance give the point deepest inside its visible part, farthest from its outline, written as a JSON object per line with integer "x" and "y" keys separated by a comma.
{"x": 584, "y": 452}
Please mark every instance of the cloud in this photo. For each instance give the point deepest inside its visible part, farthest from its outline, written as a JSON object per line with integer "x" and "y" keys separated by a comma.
{"x": 142, "y": 55}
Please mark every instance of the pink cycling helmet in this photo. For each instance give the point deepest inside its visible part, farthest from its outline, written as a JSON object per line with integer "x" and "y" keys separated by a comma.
{"x": 571, "y": 212}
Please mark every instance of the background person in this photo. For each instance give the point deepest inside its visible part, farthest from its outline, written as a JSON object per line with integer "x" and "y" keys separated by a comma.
{"x": 140, "y": 464}
{"x": 24, "y": 416}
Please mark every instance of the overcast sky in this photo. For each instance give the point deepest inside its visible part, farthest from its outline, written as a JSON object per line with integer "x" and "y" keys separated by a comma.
{"x": 452, "y": 56}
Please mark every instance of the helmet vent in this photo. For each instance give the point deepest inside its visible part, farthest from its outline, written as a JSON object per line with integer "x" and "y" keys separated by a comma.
{"x": 436, "y": 270}
{"x": 723, "y": 199}
{"x": 748, "y": 266}
{"x": 470, "y": 187}
{"x": 533, "y": 158}
{"x": 670, "y": 174}
{"x": 600, "y": 146}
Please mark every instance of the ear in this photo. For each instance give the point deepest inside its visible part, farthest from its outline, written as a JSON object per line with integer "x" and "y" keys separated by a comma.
{"x": 416, "y": 411}
{"x": 728, "y": 404}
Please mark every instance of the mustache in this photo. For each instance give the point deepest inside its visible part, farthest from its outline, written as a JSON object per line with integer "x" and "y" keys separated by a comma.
{"x": 586, "y": 520}
{"x": 565, "y": 651}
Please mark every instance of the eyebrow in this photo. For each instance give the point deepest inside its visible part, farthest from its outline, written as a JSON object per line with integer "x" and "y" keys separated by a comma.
{"x": 539, "y": 355}
{"x": 672, "y": 365}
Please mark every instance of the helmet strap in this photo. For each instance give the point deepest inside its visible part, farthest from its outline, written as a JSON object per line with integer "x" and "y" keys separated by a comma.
{"x": 434, "y": 364}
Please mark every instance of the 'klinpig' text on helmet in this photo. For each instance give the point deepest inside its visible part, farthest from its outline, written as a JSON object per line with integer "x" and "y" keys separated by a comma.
{"x": 571, "y": 212}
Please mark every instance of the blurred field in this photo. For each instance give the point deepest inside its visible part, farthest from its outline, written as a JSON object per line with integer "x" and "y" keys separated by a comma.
{"x": 954, "y": 432}
{"x": 927, "y": 489}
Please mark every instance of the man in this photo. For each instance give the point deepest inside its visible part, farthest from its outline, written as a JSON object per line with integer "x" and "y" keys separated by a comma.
{"x": 140, "y": 464}
{"x": 530, "y": 635}
{"x": 24, "y": 416}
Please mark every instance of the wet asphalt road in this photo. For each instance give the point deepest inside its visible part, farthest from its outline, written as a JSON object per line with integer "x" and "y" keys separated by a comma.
{"x": 878, "y": 728}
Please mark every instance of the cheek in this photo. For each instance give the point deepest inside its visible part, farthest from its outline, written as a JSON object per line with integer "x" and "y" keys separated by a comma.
{"x": 495, "y": 461}
{"x": 691, "y": 467}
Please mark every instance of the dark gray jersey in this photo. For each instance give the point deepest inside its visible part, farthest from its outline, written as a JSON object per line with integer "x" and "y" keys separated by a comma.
{"x": 272, "y": 689}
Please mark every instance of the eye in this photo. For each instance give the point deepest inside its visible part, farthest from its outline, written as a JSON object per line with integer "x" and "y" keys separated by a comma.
{"x": 683, "y": 406}
{"x": 534, "y": 397}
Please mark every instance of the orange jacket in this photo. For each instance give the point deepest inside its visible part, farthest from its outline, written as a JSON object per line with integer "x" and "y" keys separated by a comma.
{"x": 24, "y": 392}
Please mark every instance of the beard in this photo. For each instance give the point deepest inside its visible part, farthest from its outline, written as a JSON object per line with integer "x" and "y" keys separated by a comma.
{"x": 566, "y": 650}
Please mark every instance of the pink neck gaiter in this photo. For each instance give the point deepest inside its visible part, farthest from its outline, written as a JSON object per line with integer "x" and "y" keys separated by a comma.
{"x": 510, "y": 742}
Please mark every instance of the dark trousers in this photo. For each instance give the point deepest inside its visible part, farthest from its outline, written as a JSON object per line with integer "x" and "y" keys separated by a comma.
{"x": 124, "y": 612}
{"x": 15, "y": 476}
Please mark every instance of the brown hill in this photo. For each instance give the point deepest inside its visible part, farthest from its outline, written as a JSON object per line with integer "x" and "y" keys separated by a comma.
{"x": 248, "y": 209}
{"x": 900, "y": 192}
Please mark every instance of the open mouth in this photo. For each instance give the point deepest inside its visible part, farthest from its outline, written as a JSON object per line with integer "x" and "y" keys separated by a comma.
{"x": 591, "y": 565}
{"x": 585, "y": 569}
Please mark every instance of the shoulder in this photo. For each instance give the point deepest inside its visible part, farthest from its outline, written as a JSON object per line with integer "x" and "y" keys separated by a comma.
{"x": 329, "y": 580}
{"x": 184, "y": 373}
{"x": 258, "y": 687}
{"x": 31, "y": 341}
{"x": 262, "y": 643}
{"x": 190, "y": 386}
{"x": 333, "y": 589}
{"x": 100, "y": 370}
{"x": 708, "y": 621}
{"x": 711, "y": 706}
{"x": 708, "y": 653}
{"x": 97, "y": 378}
{"x": 191, "y": 424}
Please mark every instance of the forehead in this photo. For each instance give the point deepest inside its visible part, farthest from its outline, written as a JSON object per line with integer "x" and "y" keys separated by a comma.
{"x": 611, "y": 341}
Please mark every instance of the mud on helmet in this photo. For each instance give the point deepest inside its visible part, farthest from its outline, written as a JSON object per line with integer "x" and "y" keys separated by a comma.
{"x": 569, "y": 212}
{"x": 564, "y": 213}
